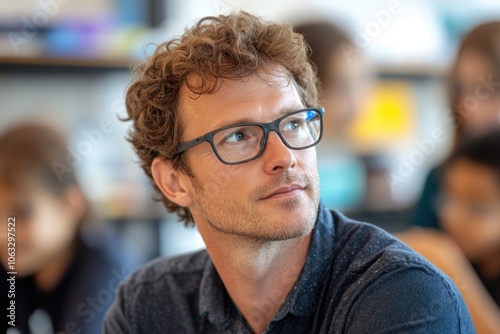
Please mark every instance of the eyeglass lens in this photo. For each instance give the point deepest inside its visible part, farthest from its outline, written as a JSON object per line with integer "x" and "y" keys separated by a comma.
{"x": 239, "y": 143}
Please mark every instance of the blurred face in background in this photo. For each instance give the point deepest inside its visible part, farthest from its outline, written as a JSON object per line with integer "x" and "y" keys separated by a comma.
{"x": 344, "y": 92}
{"x": 45, "y": 225}
{"x": 477, "y": 92}
{"x": 470, "y": 209}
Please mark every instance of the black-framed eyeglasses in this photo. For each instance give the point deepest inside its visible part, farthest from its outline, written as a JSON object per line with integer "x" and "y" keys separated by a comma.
{"x": 240, "y": 143}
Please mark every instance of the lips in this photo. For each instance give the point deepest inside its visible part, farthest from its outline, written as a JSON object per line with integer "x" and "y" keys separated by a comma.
{"x": 284, "y": 191}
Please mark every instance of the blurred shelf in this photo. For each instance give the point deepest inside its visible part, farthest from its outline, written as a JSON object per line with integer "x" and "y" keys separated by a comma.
{"x": 417, "y": 71}
{"x": 64, "y": 65}
{"x": 97, "y": 65}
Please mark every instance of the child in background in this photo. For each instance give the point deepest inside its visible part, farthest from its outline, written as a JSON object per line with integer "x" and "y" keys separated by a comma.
{"x": 66, "y": 279}
{"x": 474, "y": 99}
{"x": 469, "y": 214}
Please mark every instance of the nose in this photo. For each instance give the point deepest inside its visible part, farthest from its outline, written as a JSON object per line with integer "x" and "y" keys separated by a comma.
{"x": 276, "y": 155}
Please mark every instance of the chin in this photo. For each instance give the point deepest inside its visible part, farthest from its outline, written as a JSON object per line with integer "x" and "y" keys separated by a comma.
{"x": 277, "y": 228}
{"x": 285, "y": 228}
{"x": 297, "y": 232}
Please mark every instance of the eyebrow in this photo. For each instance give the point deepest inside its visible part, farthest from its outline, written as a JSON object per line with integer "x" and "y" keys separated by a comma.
{"x": 282, "y": 112}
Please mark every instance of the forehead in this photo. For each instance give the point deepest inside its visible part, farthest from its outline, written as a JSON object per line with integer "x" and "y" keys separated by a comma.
{"x": 260, "y": 98}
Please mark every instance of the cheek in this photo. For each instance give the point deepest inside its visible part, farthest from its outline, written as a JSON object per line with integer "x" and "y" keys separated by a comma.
{"x": 307, "y": 160}
{"x": 492, "y": 109}
{"x": 222, "y": 180}
{"x": 488, "y": 234}
{"x": 50, "y": 230}
{"x": 485, "y": 116}
{"x": 454, "y": 223}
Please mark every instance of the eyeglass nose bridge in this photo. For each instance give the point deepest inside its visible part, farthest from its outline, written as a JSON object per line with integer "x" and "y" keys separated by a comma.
{"x": 268, "y": 128}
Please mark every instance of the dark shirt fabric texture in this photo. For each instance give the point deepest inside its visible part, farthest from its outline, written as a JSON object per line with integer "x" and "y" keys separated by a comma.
{"x": 78, "y": 304}
{"x": 357, "y": 279}
{"x": 425, "y": 211}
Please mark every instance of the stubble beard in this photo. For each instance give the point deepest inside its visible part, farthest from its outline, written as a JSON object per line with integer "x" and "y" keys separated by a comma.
{"x": 230, "y": 216}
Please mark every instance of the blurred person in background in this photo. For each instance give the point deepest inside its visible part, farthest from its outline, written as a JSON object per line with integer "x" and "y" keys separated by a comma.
{"x": 67, "y": 270}
{"x": 474, "y": 92}
{"x": 343, "y": 75}
{"x": 345, "y": 79}
{"x": 469, "y": 215}
{"x": 225, "y": 120}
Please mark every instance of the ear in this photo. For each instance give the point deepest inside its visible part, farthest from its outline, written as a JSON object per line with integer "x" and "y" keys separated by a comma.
{"x": 172, "y": 183}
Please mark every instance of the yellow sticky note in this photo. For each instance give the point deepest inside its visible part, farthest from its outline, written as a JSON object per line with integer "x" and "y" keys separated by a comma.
{"x": 387, "y": 118}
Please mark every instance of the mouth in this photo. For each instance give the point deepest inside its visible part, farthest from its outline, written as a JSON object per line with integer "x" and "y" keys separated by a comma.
{"x": 285, "y": 192}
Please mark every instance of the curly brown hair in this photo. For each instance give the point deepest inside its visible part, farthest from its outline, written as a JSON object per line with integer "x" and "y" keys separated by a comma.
{"x": 227, "y": 47}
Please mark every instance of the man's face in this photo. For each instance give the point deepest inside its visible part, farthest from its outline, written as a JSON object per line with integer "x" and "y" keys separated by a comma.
{"x": 274, "y": 197}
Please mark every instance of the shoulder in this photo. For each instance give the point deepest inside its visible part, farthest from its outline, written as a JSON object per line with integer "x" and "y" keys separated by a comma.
{"x": 158, "y": 295}
{"x": 165, "y": 271}
{"x": 368, "y": 249}
{"x": 410, "y": 297}
{"x": 363, "y": 242}
{"x": 165, "y": 281}
{"x": 385, "y": 284}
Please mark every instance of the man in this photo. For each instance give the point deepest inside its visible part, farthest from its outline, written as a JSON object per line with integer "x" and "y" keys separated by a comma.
{"x": 225, "y": 123}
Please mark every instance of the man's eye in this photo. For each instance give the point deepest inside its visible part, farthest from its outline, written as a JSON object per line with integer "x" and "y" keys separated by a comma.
{"x": 292, "y": 125}
{"x": 234, "y": 137}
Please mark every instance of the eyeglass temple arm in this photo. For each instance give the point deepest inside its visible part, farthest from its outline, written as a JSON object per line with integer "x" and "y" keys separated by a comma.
{"x": 189, "y": 144}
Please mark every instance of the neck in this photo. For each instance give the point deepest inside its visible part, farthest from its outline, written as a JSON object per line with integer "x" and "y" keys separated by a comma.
{"x": 49, "y": 276}
{"x": 258, "y": 275}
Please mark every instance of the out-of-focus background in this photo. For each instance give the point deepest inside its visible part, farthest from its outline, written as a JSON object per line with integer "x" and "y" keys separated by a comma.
{"x": 67, "y": 63}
